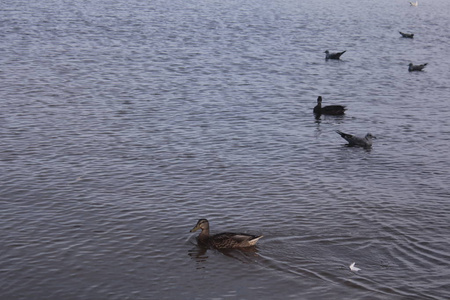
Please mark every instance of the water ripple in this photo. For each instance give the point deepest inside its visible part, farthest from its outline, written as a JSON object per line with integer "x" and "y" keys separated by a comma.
{"x": 122, "y": 124}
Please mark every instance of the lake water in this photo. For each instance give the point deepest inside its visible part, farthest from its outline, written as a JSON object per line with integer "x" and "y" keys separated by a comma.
{"x": 124, "y": 122}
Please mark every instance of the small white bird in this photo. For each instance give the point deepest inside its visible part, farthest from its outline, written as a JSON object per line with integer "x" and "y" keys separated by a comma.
{"x": 414, "y": 3}
{"x": 353, "y": 268}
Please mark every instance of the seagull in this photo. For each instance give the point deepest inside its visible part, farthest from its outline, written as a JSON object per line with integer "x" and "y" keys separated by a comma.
{"x": 412, "y": 67}
{"x": 407, "y": 35}
{"x": 336, "y": 55}
{"x": 329, "y": 109}
{"x": 414, "y": 3}
{"x": 357, "y": 141}
{"x": 353, "y": 268}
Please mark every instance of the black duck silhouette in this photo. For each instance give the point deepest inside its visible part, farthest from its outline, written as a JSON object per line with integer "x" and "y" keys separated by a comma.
{"x": 412, "y": 68}
{"x": 336, "y": 55}
{"x": 334, "y": 110}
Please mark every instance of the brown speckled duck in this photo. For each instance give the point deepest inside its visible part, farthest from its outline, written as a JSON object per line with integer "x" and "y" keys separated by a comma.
{"x": 224, "y": 240}
{"x": 335, "y": 110}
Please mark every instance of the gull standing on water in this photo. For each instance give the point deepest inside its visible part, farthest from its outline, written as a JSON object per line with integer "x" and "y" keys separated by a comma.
{"x": 352, "y": 140}
{"x": 336, "y": 55}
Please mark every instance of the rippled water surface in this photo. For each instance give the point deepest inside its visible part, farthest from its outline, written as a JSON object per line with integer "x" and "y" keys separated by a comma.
{"x": 124, "y": 122}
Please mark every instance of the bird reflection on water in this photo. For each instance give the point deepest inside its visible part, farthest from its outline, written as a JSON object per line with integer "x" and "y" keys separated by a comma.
{"x": 244, "y": 255}
{"x": 200, "y": 254}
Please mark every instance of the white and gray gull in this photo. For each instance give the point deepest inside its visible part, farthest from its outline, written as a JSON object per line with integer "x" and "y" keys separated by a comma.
{"x": 352, "y": 140}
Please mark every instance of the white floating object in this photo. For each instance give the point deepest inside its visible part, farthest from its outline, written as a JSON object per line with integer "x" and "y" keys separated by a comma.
{"x": 353, "y": 268}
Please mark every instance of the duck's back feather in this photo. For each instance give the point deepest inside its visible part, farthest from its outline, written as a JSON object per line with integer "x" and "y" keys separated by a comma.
{"x": 233, "y": 240}
{"x": 333, "y": 109}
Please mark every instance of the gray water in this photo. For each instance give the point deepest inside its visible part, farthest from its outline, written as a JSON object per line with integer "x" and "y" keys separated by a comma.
{"x": 124, "y": 122}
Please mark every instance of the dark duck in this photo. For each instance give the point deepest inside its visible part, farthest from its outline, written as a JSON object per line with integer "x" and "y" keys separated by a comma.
{"x": 407, "y": 35}
{"x": 226, "y": 240}
{"x": 334, "y": 110}
{"x": 336, "y": 55}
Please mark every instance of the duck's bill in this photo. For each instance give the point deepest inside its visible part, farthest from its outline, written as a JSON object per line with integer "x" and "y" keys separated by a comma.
{"x": 194, "y": 229}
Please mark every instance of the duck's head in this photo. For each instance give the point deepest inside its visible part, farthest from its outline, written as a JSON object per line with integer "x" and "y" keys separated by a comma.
{"x": 327, "y": 52}
{"x": 370, "y": 136}
{"x": 319, "y": 99}
{"x": 201, "y": 224}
